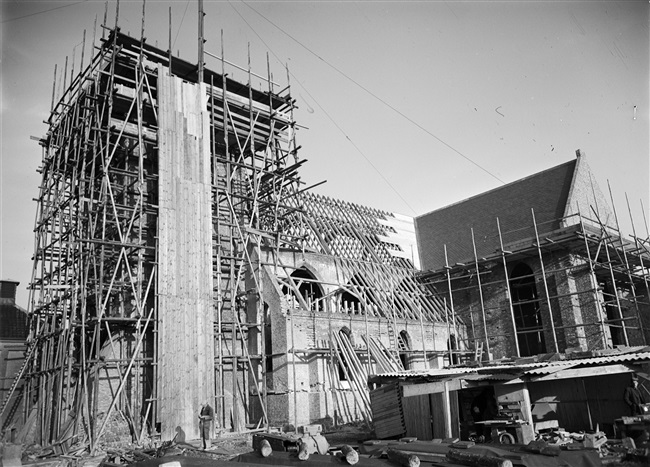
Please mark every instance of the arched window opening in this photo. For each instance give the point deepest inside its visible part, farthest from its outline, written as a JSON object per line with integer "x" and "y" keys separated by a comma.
{"x": 310, "y": 291}
{"x": 526, "y": 308}
{"x": 350, "y": 303}
{"x": 357, "y": 296}
{"x": 404, "y": 347}
{"x": 343, "y": 364}
{"x": 268, "y": 339}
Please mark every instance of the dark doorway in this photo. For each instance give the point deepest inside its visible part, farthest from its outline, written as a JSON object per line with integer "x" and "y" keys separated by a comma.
{"x": 452, "y": 347}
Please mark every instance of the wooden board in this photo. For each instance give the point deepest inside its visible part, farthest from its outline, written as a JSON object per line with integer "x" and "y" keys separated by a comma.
{"x": 418, "y": 416}
{"x": 387, "y": 411}
{"x": 185, "y": 329}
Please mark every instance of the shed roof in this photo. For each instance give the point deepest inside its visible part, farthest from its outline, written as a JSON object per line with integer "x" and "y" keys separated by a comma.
{"x": 505, "y": 371}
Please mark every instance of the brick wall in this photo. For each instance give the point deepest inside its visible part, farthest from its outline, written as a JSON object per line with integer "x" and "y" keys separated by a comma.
{"x": 576, "y": 299}
{"x": 308, "y": 332}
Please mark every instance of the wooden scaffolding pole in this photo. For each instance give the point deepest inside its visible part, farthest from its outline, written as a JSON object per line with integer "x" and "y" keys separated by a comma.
{"x": 628, "y": 270}
{"x": 480, "y": 291}
{"x": 592, "y": 274}
{"x": 508, "y": 292}
{"x": 451, "y": 297}
{"x": 546, "y": 292}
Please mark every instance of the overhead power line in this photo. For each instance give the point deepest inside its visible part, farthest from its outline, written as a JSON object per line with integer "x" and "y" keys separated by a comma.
{"x": 406, "y": 117}
{"x": 41, "y": 12}
{"x": 326, "y": 113}
{"x": 179, "y": 26}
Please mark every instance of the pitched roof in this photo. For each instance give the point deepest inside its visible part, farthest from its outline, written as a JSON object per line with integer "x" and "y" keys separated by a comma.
{"x": 373, "y": 248}
{"x": 552, "y": 194}
{"x": 358, "y": 232}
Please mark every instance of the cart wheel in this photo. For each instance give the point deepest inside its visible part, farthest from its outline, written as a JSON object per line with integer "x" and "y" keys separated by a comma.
{"x": 506, "y": 438}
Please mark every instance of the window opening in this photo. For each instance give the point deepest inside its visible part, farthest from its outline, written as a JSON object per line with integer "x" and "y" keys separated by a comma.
{"x": 268, "y": 339}
{"x": 343, "y": 364}
{"x": 309, "y": 290}
{"x": 526, "y": 308}
{"x": 350, "y": 303}
{"x": 404, "y": 346}
{"x": 452, "y": 347}
{"x": 613, "y": 319}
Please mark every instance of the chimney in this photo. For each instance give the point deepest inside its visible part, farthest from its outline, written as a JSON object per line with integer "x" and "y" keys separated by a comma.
{"x": 8, "y": 290}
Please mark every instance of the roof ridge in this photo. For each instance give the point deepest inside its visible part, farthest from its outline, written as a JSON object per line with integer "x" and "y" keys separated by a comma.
{"x": 502, "y": 187}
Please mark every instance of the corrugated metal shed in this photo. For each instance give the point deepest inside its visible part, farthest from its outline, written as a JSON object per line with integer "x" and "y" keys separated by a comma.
{"x": 509, "y": 370}
{"x": 547, "y": 370}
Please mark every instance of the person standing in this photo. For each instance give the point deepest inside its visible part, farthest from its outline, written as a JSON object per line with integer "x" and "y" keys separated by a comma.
{"x": 205, "y": 423}
{"x": 483, "y": 408}
{"x": 633, "y": 397}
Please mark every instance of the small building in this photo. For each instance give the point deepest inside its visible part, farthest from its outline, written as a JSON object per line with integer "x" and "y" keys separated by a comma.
{"x": 13, "y": 333}
{"x": 554, "y": 300}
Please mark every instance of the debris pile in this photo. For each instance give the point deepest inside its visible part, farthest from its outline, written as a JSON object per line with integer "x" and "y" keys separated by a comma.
{"x": 308, "y": 446}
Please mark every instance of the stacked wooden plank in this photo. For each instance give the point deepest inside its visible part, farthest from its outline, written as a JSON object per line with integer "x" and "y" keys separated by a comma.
{"x": 355, "y": 372}
{"x": 384, "y": 359}
{"x": 388, "y": 416}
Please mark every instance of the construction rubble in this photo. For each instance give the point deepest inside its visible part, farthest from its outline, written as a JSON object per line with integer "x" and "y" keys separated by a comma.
{"x": 309, "y": 446}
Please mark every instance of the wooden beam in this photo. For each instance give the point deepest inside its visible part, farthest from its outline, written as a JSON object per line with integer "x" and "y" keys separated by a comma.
{"x": 411, "y": 390}
{"x": 586, "y": 372}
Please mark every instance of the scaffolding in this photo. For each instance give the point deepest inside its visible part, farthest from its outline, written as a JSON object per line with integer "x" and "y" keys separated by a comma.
{"x": 146, "y": 155}
{"x": 371, "y": 287}
{"x": 138, "y": 138}
{"x": 578, "y": 264}
{"x": 95, "y": 289}
{"x": 109, "y": 217}
{"x": 93, "y": 281}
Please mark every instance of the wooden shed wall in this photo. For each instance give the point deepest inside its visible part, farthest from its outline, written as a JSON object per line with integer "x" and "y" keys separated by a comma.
{"x": 576, "y": 401}
{"x": 387, "y": 411}
{"x": 185, "y": 311}
{"x": 424, "y": 415}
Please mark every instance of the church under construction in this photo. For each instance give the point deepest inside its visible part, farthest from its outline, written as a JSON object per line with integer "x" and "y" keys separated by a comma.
{"x": 179, "y": 258}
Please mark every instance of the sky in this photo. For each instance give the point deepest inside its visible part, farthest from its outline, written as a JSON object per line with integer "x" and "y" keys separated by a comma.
{"x": 405, "y": 106}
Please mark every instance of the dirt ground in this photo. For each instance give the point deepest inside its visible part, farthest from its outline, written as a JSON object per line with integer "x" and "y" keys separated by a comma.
{"x": 348, "y": 434}
{"x": 227, "y": 446}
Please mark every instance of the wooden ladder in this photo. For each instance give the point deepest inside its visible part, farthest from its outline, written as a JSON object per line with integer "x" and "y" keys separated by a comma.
{"x": 478, "y": 351}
